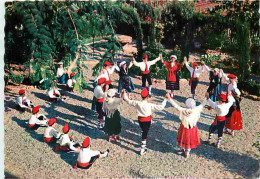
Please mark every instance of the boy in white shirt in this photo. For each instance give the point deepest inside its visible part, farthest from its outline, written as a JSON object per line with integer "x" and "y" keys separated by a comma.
{"x": 50, "y": 133}
{"x": 66, "y": 142}
{"x": 194, "y": 73}
{"x": 37, "y": 120}
{"x": 71, "y": 81}
{"x": 144, "y": 67}
{"x": 87, "y": 157}
{"x": 144, "y": 111}
{"x": 23, "y": 102}
{"x": 61, "y": 75}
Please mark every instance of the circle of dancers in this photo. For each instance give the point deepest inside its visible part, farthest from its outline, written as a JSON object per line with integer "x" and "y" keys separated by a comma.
{"x": 107, "y": 99}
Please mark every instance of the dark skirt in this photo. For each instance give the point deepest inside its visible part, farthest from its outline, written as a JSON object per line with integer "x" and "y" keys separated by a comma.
{"x": 173, "y": 85}
{"x": 113, "y": 124}
{"x": 126, "y": 83}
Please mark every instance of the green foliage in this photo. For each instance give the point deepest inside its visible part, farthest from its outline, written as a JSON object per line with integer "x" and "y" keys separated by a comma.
{"x": 210, "y": 59}
{"x": 6, "y": 78}
{"x": 18, "y": 79}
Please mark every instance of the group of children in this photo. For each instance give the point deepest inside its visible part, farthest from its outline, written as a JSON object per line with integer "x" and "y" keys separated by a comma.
{"x": 228, "y": 114}
{"x": 108, "y": 99}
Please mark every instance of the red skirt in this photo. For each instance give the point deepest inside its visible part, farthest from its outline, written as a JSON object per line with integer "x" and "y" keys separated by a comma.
{"x": 188, "y": 138}
{"x": 235, "y": 121}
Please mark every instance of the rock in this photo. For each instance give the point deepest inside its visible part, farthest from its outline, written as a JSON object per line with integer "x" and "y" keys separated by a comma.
{"x": 124, "y": 39}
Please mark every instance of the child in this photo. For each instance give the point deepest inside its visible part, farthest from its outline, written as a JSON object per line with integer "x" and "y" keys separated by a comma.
{"x": 222, "y": 110}
{"x": 87, "y": 157}
{"x": 172, "y": 80}
{"x": 37, "y": 120}
{"x": 234, "y": 116}
{"x": 144, "y": 112}
{"x": 99, "y": 96}
{"x": 106, "y": 72}
{"x": 113, "y": 118}
{"x": 215, "y": 83}
{"x": 125, "y": 81}
{"x": 54, "y": 94}
{"x": 194, "y": 73}
{"x": 71, "y": 82}
{"x": 51, "y": 134}
{"x": 23, "y": 102}
{"x": 66, "y": 143}
{"x": 188, "y": 135}
{"x": 144, "y": 67}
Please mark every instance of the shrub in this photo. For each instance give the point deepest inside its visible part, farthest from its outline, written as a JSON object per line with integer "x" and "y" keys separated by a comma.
{"x": 209, "y": 59}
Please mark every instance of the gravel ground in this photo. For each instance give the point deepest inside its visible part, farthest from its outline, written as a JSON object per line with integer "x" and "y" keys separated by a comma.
{"x": 27, "y": 156}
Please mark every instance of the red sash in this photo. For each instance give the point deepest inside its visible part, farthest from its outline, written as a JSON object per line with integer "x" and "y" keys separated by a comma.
{"x": 192, "y": 76}
{"x": 101, "y": 100}
{"x": 145, "y": 119}
{"x": 146, "y": 69}
{"x": 219, "y": 118}
{"x": 47, "y": 139}
{"x": 82, "y": 164}
{"x": 31, "y": 125}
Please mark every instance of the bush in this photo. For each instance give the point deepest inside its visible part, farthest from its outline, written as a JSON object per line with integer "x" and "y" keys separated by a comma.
{"x": 209, "y": 59}
{"x": 18, "y": 79}
{"x": 251, "y": 86}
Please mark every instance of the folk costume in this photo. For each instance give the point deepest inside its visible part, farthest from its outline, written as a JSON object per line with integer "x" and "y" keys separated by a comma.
{"x": 71, "y": 81}
{"x": 194, "y": 73}
{"x": 87, "y": 157}
{"x": 125, "y": 81}
{"x": 215, "y": 83}
{"x": 66, "y": 142}
{"x": 99, "y": 96}
{"x": 220, "y": 120}
{"x": 144, "y": 111}
{"x": 37, "y": 120}
{"x": 113, "y": 119}
{"x": 188, "y": 135}
{"x": 51, "y": 134}
{"x": 61, "y": 75}
{"x": 172, "y": 80}
{"x": 234, "y": 116}
{"x": 23, "y": 102}
{"x": 106, "y": 72}
{"x": 54, "y": 94}
{"x": 144, "y": 67}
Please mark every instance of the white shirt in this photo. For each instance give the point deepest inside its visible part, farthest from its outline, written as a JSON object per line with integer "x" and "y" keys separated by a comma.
{"x": 197, "y": 70}
{"x": 232, "y": 87}
{"x": 65, "y": 141}
{"x": 99, "y": 93}
{"x": 222, "y": 109}
{"x": 189, "y": 117}
{"x": 50, "y": 93}
{"x": 142, "y": 65}
{"x": 145, "y": 109}
{"x": 85, "y": 155}
{"x": 34, "y": 120}
{"x": 20, "y": 100}
{"x": 51, "y": 132}
{"x": 60, "y": 72}
{"x": 107, "y": 72}
{"x": 69, "y": 83}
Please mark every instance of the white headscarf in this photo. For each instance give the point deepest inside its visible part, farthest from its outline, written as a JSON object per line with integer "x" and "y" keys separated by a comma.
{"x": 122, "y": 63}
{"x": 111, "y": 103}
{"x": 190, "y": 103}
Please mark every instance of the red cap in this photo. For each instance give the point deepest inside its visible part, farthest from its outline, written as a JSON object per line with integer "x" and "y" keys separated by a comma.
{"x": 101, "y": 80}
{"x": 222, "y": 97}
{"x": 232, "y": 76}
{"x": 86, "y": 142}
{"x": 145, "y": 56}
{"x": 36, "y": 109}
{"x": 72, "y": 74}
{"x": 52, "y": 121}
{"x": 144, "y": 93}
{"x": 107, "y": 63}
{"x": 66, "y": 128}
{"x": 22, "y": 91}
{"x": 194, "y": 64}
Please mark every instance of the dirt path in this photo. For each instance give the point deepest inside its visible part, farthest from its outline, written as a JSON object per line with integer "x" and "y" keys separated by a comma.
{"x": 27, "y": 156}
